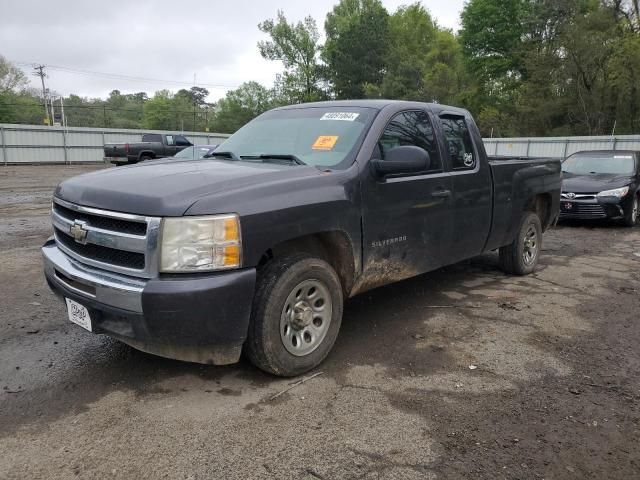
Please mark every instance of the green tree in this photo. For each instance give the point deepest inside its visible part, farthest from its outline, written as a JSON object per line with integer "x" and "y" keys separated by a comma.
{"x": 241, "y": 105}
{"x": 445, "y": 79}
{"x": 423, "y": 62}
{"x": 158, "y": 111}
{"x": 355, "y": 50}
{"x": 297, "y": 47}
{"x": 624, "y": 83}
{"x": 411, "y": 35}
{"x": 11, "y": 77}
{"x": 13, "y": 84}
{"x": 491, "y": 34}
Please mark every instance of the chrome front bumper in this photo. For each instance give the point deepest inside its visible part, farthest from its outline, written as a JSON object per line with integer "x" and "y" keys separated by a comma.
{"x": 107, "y": 288}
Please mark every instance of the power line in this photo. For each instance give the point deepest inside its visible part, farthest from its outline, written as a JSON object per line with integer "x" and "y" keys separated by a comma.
{"x": 118, "y": 76}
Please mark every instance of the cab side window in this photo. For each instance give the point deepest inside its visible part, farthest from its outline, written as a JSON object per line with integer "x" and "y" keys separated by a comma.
{"x": 411, "y": 128}
{"x": 459, "y": 143}
{"x": 182, "y": 141}
{"x": 170, "y": 140}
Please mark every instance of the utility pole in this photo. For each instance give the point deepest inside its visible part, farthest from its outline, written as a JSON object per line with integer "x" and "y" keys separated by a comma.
{"x": 39, "y": 71}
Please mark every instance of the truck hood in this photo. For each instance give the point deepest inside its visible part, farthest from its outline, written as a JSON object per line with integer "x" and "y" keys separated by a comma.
{"x": 170, "y": 188}
{"x": 593, "y": 183}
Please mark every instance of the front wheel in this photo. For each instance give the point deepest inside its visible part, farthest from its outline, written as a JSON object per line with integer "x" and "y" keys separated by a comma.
{"x": 522, "y": 255}
{"x": 631, "y": 213}
{"x": 296, "y": 315}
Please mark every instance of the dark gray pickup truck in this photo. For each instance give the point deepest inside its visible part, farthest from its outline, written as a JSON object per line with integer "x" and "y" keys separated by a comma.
{"x": 153, "y": 145}
{"x": 256, "y": 249}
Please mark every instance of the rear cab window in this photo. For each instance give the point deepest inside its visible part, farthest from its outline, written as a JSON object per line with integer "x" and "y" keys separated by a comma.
{"x": 458, "y": 142}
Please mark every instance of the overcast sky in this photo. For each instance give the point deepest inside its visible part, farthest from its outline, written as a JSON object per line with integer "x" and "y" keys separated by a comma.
{"x": 162, "y": 40}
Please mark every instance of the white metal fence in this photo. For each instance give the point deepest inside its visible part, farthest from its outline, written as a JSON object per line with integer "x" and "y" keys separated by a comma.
{"x": 558, "y": 147}
{"x": 41, "y": 144}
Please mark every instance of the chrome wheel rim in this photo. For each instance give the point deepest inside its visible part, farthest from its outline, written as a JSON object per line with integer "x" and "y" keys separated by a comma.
{"x": 634, "y": 210}
{"x": 305, "y": 318}
{"x": 530, "y": 247}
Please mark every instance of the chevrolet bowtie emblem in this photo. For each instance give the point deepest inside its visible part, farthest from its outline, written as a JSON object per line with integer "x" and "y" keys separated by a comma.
{"x": 79, "y": 231}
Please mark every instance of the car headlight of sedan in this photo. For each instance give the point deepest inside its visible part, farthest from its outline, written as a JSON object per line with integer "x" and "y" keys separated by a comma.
{"x": 615, "y": 193}
{"x": 198, "y": 244}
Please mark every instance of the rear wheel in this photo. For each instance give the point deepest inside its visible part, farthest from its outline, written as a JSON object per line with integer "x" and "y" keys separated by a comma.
{"x": 296, "y": 316}
{"x": 144, "y": 158}
{"x": 631, "y": 213}
{"x": 522, "y": 255}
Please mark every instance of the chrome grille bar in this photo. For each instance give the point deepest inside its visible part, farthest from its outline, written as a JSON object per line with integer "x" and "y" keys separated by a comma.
{"x": 108, "y": 237}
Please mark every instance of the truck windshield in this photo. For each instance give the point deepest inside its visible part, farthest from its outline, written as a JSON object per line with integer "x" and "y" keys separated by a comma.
{"x": 322, "y": 137}
{"x": 608, "y": 163}
{"x": 194, "y": 152}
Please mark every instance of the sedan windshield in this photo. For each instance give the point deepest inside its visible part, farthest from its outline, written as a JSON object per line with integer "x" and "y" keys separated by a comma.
{"x": 322, "y": 137}
{"x": 608, "y": 163}
{"x": 193, "y": 152}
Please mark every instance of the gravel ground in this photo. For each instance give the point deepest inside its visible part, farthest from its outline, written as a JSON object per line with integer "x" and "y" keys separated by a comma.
{"x": 555, "y": 395}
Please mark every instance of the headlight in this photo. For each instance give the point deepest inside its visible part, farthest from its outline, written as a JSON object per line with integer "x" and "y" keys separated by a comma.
{"x": 197, "y": 244}
{"x": 615, "y": 193}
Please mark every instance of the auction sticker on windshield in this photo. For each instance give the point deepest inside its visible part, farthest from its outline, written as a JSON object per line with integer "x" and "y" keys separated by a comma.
{"x": 345, "y": 116}
{"x": 325, "y": 142}
{"x": 78, "y": 314}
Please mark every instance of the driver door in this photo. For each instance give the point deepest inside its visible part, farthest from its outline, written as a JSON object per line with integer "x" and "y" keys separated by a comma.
{"x": 406, "y": 218}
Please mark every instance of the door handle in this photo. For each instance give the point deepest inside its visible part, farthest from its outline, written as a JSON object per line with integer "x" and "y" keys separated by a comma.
{"x": 441, "y": 194}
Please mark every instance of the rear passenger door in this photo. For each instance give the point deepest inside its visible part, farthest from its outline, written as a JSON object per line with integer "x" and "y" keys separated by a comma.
{"x": 471, "y": 184}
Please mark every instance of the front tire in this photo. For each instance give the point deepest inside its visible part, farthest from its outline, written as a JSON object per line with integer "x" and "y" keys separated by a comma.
{"x": 522, "y": 255}
{"x": 296, "y": 315}
{"x": 631, "y": 213}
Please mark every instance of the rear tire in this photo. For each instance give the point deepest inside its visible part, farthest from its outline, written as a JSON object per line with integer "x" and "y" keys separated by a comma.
{"x": 631, "y": 213}
{"x": 522, "y": 255}
{"x": 296, "y": 315}
{"x": 144, "y": 158}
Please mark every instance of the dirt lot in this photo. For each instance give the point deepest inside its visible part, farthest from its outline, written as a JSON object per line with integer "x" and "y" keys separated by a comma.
{"x": 556, "y": 391}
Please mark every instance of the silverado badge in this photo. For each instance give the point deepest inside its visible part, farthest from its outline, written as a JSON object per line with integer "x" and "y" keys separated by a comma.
{"x": 79, "y": 231}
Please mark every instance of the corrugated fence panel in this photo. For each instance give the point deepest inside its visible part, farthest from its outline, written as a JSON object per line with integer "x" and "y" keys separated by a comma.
{"x": 33, "y": 137}
{"x": 36, "y": 144}
{"x": 43, "y": 154}
{"x": 558, "y": 147}
{"x": 85, "y": 154}
{"x": 40, "y": 144}
{"x": 628, "y": 143}
{"x": 81, "y": 139}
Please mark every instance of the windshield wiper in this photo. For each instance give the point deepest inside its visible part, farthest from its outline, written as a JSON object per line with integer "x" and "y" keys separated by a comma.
{"x": 229, "y": 155}
{"x": 275, "y": 156}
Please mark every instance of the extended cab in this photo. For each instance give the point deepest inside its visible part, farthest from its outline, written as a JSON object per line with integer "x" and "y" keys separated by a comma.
{"x": 305, "y": 206}
{"x": 153, "y": 145}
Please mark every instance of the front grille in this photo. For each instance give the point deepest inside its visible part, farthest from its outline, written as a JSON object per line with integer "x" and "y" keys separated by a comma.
{"x": 583, "y": 210}
{"x": 102, "y": 254}
{"x": 117, "y": 242}
{"x": 105, "y": 223}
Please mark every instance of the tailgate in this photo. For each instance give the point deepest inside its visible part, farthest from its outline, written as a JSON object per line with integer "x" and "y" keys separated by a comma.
{"x": 115, "y": 150}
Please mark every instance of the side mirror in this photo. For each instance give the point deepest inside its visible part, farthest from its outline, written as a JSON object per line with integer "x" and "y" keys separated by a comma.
{"x": 402, "y": 160}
